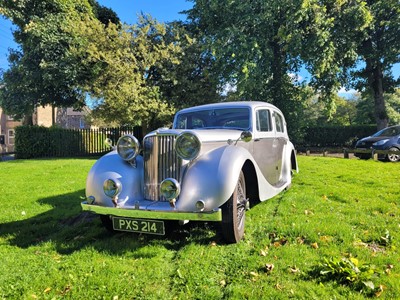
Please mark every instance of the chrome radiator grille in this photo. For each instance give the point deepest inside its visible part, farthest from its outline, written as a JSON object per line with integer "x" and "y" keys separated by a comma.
{"x": 160, "y": 162}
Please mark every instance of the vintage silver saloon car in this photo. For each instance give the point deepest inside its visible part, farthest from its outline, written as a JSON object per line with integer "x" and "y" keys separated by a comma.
{"x": 215, "y": 161}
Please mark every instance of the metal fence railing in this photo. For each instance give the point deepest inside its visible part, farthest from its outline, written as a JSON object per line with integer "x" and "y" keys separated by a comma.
{"x": 32, "y": 142}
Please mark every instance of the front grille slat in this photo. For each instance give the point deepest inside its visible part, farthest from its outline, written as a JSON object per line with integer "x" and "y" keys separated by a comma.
{"x": 160, "y": 162}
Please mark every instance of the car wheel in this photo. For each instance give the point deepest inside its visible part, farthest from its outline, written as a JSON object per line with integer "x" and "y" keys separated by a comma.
{"x": 234, "y": 213}
{"x": 107, "y": 222}
{"x": 393, "y": 157}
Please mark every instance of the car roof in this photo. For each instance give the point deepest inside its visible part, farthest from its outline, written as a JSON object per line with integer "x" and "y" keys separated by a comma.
{"x": 249, "y": 104}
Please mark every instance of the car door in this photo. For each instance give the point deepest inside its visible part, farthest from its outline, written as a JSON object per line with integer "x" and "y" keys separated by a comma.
{"x": 264, "y": 144}
{"x": 279, "y": 144}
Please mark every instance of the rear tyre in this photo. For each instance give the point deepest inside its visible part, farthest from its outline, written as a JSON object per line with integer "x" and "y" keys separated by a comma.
{"x": 234, "y": 213}
{"x": 393, "y": 157}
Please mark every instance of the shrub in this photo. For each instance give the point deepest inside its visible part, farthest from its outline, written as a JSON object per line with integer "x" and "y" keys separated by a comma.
{"x": 335, "y": 136}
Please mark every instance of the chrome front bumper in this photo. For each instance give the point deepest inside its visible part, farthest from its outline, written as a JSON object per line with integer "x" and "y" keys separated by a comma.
{"x": 153, "y": 214}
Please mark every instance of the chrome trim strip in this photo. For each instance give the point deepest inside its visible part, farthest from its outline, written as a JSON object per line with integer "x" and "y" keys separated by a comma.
{"x": 153, "y": 214}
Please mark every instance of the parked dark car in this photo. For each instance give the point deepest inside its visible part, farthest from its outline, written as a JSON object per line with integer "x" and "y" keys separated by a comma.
{"x": 385, "y": 139}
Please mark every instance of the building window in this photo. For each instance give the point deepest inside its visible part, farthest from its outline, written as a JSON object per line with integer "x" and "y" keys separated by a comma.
{"x": 82, "y": 123}
{"x": 11, "y": 136}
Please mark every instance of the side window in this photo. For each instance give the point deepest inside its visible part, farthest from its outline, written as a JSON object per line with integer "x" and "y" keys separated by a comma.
{"x": 279, "y": 123}
{"x": 263, "y": 121}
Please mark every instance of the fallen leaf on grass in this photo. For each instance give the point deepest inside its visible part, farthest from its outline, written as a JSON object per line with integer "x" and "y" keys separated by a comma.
{"x": 380, "y": 290}
{"x": 314, "y": 245}
{"x": 280, "y": 242}
{"x": 325, "y": 238}
{"x": 269, "y": 267}
{"x": 308, "y": 212}
{"x": 263, "y": 253}
{"x": 254, "y": 274}
{"x": 47, "y": 290}
{"x": 278, "y": 287}
{"x": 277, "y": 244}
{"x": 222, "y": 282}
{"x": 388, "y": 269}
{"x": 66, "y": 290}
{"x": 369, "y": 284}
{"x": 294, "y": 270}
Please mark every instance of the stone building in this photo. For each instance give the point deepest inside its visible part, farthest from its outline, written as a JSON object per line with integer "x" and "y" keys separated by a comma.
{"x": 63, "y": 117}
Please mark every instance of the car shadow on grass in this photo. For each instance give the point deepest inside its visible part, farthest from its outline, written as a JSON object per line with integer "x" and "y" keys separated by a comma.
{"x": 69, "y": 229}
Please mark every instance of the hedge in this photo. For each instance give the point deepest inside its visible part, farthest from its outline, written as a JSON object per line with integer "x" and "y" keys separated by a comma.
{"x": 335, "y": 136}
{"x": 39, "y": 141}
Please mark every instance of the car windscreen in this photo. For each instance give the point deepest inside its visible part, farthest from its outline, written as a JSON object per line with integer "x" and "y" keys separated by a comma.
{"x": 224, "y": 118}
{"x": 391, "y": 131}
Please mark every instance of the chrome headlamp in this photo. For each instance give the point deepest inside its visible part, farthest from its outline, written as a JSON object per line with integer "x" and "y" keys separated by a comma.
{"x": 187, "y": 146}
{"x": 170, "y": 188}
{"x": 128, "y": 147}
{"x": 112, "y": 188}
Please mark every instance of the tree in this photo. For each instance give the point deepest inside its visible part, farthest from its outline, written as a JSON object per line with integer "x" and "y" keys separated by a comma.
{"x": 250, "y": 55}
{"x": 44, "y": 70}
{"x": 365, "y": 108}
{"x": 379, "y": 51}
{"x": 258, "y": 44}
{"x": 193, "y": 81}
{"x": 122, "y": 60}
{"x": 343, "y": 35}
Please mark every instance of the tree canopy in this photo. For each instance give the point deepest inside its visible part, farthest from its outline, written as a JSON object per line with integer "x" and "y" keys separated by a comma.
{"x": 227, "y": 50}
{"x": 259, "y": 44}
{"x": 123, "y": 59}
{"x": 44, "y": 70}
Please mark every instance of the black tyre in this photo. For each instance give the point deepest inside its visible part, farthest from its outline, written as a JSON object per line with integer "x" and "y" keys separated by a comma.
{"x": 107, "y": 222}
{"x": 234, "y": 213}
{"x": 365, "y": 156}
{"x": 393, "y": 157}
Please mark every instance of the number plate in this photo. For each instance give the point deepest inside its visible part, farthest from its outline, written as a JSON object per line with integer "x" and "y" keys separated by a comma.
{"x": 139, "y": 225}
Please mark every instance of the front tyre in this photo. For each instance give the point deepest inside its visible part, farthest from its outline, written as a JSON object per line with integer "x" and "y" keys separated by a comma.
{"x": 393, "y": 157}
{"x": 107, "y": 222}
{"x": 233, "y": 213}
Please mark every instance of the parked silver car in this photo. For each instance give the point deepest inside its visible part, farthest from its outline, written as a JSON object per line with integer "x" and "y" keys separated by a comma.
{"x": 214, "y": 162}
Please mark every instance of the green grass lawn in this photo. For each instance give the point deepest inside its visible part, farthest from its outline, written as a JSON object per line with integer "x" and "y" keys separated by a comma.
{"x": 333, "y": 235}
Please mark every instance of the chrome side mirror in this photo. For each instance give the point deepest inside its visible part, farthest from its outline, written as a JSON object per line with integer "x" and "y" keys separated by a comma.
{"x": 246, "y": 136}
{"x": 108, "y": 142}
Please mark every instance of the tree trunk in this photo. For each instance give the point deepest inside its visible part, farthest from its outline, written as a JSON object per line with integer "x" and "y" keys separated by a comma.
{"x": 53, "y": 115}
{"x": 375, "y": 79}
{"x": 28, "y": 120}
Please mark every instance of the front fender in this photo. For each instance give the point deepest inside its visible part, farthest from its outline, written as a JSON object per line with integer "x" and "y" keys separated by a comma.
{"x": 111, "y": 166}
{"x": 212, "y": 178}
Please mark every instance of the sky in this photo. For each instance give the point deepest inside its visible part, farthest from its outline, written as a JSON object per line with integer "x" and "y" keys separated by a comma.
{"x": 128, "y": 10}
